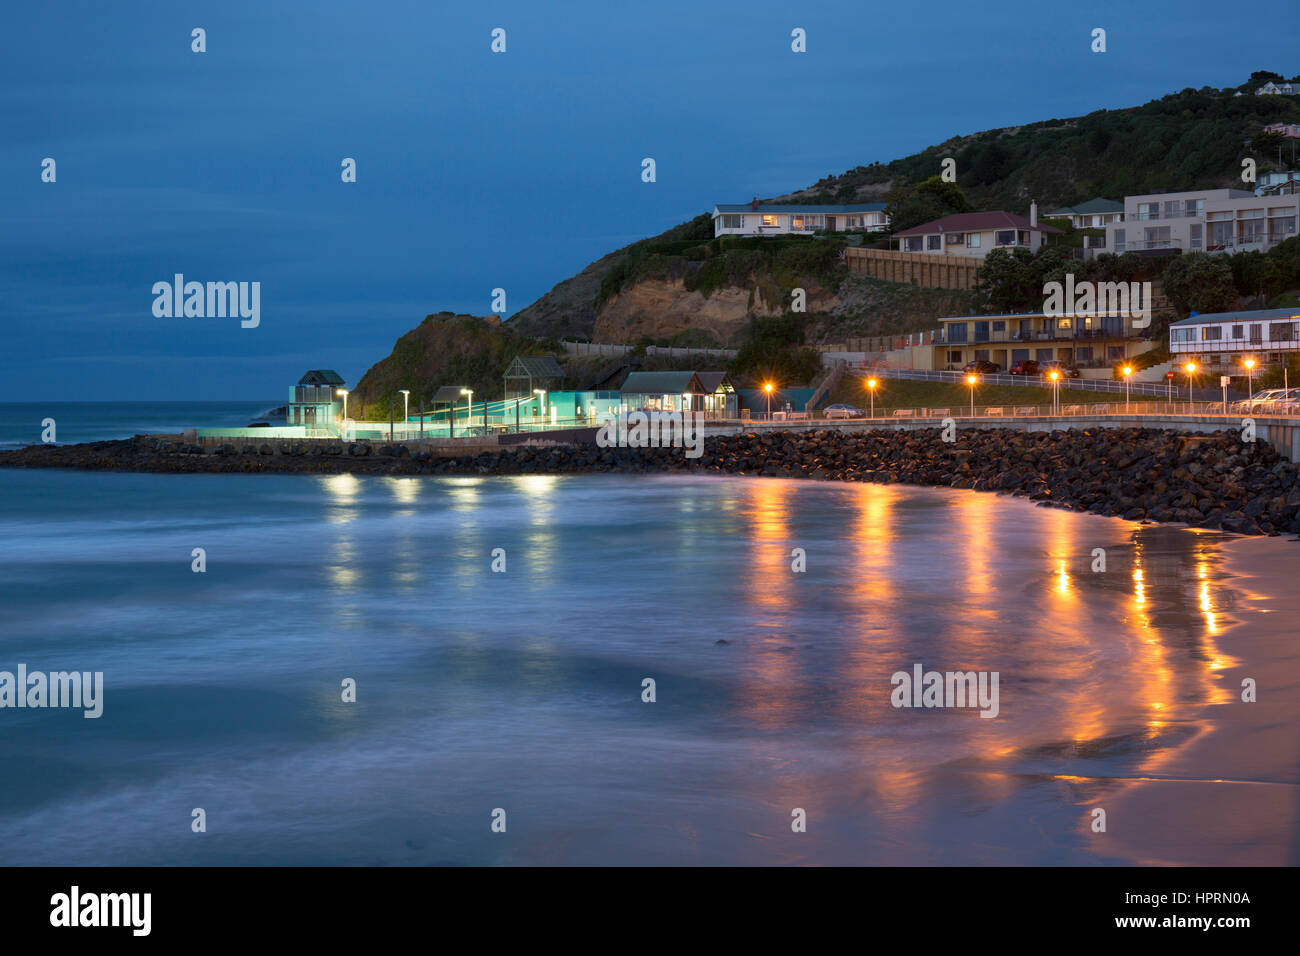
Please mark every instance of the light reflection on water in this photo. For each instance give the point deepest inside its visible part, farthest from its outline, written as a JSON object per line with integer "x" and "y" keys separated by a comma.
{"x": 523, "y": 689}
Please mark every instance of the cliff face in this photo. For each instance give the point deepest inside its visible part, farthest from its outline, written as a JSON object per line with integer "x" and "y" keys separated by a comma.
{"x": 663, "y": 308}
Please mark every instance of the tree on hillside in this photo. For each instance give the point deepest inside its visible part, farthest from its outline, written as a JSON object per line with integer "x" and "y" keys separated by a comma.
{"x": 1267, "y": 141}
{"x": 1255, "y": 274}
{"x": 928, "y": 200}
{"x": 1010, "y": 281}
{"x": 774, "y": 351}
{"x": 1199, "y": 282}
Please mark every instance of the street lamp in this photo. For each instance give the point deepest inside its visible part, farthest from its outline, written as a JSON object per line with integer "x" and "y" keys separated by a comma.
{"x": 767, "y": 388}
{"x": 1056, "y": 395}
{"x": 469, "y": 407}
{"x": 1189, "y": 368}
{"x": 541, "y": 400}
{"x": 406, "y": 406}
{"x": 1250, "y": 376}
{"x": 971, "y": 380}
{"x": 344, "y": 393}
{"x": 871, "y": 390}
{"x": 1127, "y": 370}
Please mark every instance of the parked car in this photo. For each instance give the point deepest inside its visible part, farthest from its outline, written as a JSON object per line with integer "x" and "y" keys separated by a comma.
{"x": 1270, "y": 400}
{"x": 1023, "y": 367}
{"x": 844, "y": 411}
{"x": 983, "y": 367}
{"x": 1056, "y": 365}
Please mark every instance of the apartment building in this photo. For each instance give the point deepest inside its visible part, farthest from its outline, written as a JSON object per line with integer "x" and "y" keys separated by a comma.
{"x": 1205, "y": 220}
{"x": 1087, "y": 339}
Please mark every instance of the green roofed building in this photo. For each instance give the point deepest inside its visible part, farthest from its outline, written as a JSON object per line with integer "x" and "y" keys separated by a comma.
{"x": 1093, "y": 214}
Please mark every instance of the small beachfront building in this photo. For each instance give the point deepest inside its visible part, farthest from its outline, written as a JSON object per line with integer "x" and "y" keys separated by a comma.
{"x": 315, "y": 401}
{"x": 529, "y": 373}
{"x": 709, "y": 392}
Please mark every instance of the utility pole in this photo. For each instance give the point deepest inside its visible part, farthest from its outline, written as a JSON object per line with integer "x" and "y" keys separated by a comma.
{"x": 421, "y": 419}
{"x": 390, "y": 419}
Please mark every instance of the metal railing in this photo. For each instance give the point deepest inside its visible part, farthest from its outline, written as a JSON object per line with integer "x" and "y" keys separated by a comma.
{"x": 1033, "y": 381}
{"x": 1176, "y": 409}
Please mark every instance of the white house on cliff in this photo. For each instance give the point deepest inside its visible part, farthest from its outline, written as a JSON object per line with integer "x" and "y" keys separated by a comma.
{"x": 755, "y": 219}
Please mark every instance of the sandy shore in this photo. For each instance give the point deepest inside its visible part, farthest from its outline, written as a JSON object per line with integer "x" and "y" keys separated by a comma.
{"x": 1227, "y": 795}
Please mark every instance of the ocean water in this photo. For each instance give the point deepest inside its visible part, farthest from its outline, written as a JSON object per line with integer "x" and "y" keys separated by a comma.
{"x": 21, "y": 422}
{"x": 521, "y": 690}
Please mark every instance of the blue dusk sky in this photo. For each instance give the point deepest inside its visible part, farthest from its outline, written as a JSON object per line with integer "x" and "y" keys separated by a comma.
{"x": 475, "y": 170}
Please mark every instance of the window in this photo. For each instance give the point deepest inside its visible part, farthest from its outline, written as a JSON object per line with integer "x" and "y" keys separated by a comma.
{"x": 1281, "y": 331}
{"x": 1171, "y": 209}
{"x": 1024, "y": 237}
{"x": 913, "y": 243}
{"x": 972, "y": 240}
{"x": 1210, "y": 333}
{"x": 807, "y": 222}
{"x": 769, "y": 220}
{"x": 999, "y": 326}
{"x": 954, "y": 355}
{"x": 1156, "y": 236}
{"x": 1194, "y": 208}
{"x": 957, "y": 332}
{"x": 1119, "y": 240}
{"x": 1044, "y": 355}
{"x": 733, "y": 222}
{"x": 1148, "y": 210}
{"x": 1064, "y": 325}
{"x": 956, "y": 238}
{"x": 1019, "y": 355}
{"x": 1196, "y": 235}
{"x": 1114, "y": 352}
{"x": 1084, "y": 353}
{"x": 1182, "y": 335}
{"x": 1006, "y": 237}
{"x": 1237, "y": 330}
{"x": 981, "y": 355}
{"x": 1257, "y": 333}
{"x": 1251, "y": 230}
{"x": 933, "y": 243}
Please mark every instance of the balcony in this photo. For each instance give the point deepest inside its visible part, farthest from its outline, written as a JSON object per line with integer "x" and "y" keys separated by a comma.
{"x": 1038, "y": 335}
{"x": 1143, "y": 245}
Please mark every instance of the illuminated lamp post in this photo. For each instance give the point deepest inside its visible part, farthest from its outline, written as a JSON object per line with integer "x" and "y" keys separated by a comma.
{"x": 1055, "y": 376}
{"x": 469, "y": 407}
{"x": 871, "y": 390}
{"x": 1190, "y": 369}
{"x": 1128, "y": 371}
{"x": 1250, "y": 376}
{"x": 767, "y": 390}
{"x": 971, "y": 380}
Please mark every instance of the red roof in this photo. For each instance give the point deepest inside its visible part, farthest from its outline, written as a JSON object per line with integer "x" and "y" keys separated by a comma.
{"x": 975, "y": 222}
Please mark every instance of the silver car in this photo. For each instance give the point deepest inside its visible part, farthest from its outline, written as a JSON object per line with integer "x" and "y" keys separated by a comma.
{"x": 844, "y": 411}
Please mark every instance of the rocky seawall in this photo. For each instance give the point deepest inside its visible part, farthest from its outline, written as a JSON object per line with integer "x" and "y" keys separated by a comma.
{"x": 1209, "y": 481}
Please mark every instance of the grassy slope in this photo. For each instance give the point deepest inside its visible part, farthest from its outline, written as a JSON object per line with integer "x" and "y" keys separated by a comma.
{"x": 1187, "y": 140}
